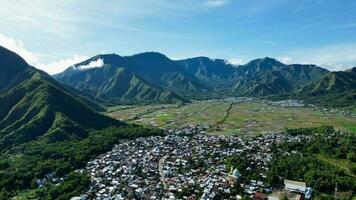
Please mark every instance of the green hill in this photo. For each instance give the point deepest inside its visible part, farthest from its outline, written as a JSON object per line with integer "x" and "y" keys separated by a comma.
{"x": 116, "y": 84}
{"x": 215, "y": 73}
{"x": 335, "y": 88}
{"x": 152, "y": 77}
{"x": 45, "y": 127}
{"x": 268, "y": 76}
{"x": 37, "y": 109}
{"x": 193, "y": 78}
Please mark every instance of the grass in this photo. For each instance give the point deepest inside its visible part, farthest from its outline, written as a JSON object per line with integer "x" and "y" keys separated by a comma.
{"x": 25, "y": 195}
{"x": 342, "y": 164}
{"x": 243, "y": 118}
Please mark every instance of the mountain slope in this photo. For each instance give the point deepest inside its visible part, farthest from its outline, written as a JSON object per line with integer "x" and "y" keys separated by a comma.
{"x": 262, "y": 84}
{"x": 29, "y": 112}
{"x": 268, "y": 76}
{"x": 194, "y": 78}
{"x": 338, "y": 88}
{"x": 160, "y": 70}
{"x": 13, "y": 69}
{"x": 45, "y": 127}
{"x": 259, "y": 77}
{"x": 216, "y": 73}
{"x": 114, "y": 83}
{"x": 32, "y": 101}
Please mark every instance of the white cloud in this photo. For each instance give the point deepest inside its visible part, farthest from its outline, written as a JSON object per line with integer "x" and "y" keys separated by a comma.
{"x": 285, "y": 59}
{"x": 332, "y": 57}
{"x": 31, "y": 58}
{"x": 60, "y": 65}
{"x": 93, "y": 64}
{"x": 18, "y": 47}
{"x": 215, "y": 3}
{"x": 235, "y": 61}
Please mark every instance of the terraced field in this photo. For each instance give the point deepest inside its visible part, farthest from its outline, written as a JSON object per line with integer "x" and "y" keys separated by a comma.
{"x": 232, "y": 118}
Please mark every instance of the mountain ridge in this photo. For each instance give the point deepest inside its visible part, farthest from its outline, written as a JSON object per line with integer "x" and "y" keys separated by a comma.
{"x": 46, "y": 127}
{"x": 115, "y": 83}
{"x": 338, "y": 88}
{"x": 202, "y": 77}
{"x": 34, "y": 99}
{"x": 198, "y": 77}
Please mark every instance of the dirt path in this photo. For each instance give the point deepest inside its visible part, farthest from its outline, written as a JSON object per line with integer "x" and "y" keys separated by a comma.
{"x": 160, "y": 170}
{"x": 227, "y": 114}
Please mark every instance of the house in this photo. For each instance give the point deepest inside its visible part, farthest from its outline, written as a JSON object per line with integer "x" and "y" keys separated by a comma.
{"x": 295, "y": 186}
{"x": 271, "y": 197}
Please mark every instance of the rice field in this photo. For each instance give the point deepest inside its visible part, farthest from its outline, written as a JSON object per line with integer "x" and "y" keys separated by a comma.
{"x": 232, "y": 118}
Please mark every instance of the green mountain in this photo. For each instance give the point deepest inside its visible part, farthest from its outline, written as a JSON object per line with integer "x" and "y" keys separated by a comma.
{"x": 195, "y": 78}
{"x": 215, "y": 73}
{"x": 36, "y": 107}
{"x": 38, "y": 110}
{"x": 268, "y": 76}
{"x": 337, "y": 88}
{"x": 45, "y": 127}
{"x": 115, "y": 83}
{"x": 268, "y": 83}
{"x": 159, "y": 69}
{"x": 152, "y": 77}
{"x": 14, "y": 69}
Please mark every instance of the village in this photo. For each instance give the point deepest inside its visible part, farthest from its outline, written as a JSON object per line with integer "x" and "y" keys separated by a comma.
{"x": 185, "y": 164}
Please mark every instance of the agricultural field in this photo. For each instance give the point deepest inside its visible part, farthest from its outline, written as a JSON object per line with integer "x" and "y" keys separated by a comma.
{"x": 233, "y": 118}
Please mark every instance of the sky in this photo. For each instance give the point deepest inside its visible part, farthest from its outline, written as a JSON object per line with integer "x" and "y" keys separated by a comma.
{"x": 53, "y": 35}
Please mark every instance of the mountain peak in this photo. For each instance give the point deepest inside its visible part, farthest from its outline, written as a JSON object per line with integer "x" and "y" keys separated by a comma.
{"x": 151, "y": 55}
{"x": 98, "y": 61}
{"x": 9, "y": 59}
{"x": 13, "y": 69}
{"x": 265, "y": 63}
{"x": 269, "y": 60}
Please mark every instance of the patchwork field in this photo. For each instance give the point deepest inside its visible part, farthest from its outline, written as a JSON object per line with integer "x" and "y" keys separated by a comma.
{"x": 232, "y": 118}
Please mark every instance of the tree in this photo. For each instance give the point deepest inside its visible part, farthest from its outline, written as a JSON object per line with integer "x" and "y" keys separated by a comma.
{"x": 283, "y": 197}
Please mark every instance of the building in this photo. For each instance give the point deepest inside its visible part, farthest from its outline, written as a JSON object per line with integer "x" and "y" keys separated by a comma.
{"x": 295, "y": 186}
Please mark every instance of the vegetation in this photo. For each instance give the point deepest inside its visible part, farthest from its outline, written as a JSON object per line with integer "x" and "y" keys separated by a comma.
{"x": 267, "y": 76}
{"x": 46, "y": 128}
{"x": 114, "y": 83}
{"x": 148, "y": 77}
{"x": 243, "y": 118}
{"x": 19, "y": 169}
{"x": 333, "y": 89}
{"x": 312, "y": 161}
{"x": 73, "y": 184}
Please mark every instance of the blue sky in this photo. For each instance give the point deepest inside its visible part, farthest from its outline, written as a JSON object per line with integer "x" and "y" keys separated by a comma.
{"x": 53, "y": 35}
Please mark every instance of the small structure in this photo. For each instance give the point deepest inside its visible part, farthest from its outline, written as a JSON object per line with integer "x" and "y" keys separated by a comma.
{"x": 271, "y": 197}
{"x": 308, "y": 192}
{"x": 295, "y": 186}
{"x": 235, "y": 173}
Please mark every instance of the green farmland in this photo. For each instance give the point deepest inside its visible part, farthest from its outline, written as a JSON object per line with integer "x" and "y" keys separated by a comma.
{"x": 232, "y": 118}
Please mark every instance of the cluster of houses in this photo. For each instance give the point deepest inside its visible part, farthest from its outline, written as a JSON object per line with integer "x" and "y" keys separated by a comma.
{"x": 49, "y": 178}
{"x": 287, "y": 103}
{"x": 185, "y": 164}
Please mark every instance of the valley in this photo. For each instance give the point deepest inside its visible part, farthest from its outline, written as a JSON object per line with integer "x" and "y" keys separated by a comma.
{"x": 178, "y": 100}
{"x": 244, "y": 117}
{"x": 123, "y": 134}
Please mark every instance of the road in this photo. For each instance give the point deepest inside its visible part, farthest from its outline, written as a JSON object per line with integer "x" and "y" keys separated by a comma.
{"x": 160, "y": 169}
